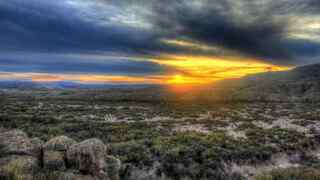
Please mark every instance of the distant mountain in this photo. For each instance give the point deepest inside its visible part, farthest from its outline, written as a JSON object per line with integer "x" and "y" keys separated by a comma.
{"x": 299, "y": 84}
{"x": 29, "y": 85}
{"x": 7, "y": 84}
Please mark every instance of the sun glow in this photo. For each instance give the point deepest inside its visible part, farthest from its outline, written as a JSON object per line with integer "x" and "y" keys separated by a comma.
{"x": 82, "y": 78}
{"x": 181, "y": 79}
{"x": 185, "y": 71}
{"x": 202, "y": 70}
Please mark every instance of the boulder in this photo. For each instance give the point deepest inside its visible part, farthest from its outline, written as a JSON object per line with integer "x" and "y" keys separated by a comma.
{"x": 18, "y": 167}
{"x": 88, "y": 157}
{"x": 54, "y": 160}
{"x": 2, "y": 129}
{"x": 16, "y": 142}
{"x": 60, "y": 158}
{"x": 54, "y": 153}
{"x": 60, "y": 143}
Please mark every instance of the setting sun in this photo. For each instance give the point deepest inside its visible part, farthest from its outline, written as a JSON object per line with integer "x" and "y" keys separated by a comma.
{"x": 180, "y": 79}
{"x": 201, "y": 70}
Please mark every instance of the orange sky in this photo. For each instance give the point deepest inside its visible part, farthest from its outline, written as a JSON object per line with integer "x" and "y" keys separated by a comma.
{"x": 186, "y": 70}
{"x": 202, "y": 70}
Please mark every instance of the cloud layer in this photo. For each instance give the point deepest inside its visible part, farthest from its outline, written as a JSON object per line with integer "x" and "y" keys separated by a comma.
{"x": 67, "y": 36}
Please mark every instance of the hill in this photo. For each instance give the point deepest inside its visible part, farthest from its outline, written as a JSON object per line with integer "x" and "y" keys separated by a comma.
{"x": 299, "y": 84}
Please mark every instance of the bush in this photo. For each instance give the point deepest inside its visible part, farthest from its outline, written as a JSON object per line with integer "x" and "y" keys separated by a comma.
{"x": 290, "y": 174}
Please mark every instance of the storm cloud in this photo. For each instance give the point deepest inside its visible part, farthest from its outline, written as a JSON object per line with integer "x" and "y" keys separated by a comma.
{"x": 278, "y": 32}
{"x": 73, "y": 64}
{"x": 254, "y": 28}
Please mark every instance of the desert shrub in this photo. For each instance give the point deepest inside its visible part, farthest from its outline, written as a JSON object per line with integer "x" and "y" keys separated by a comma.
{"x": 284, "y": 139}
{"x": 134, "y": 152}
{"x": 197, "y": 155}
{"x": 290, "y": 174}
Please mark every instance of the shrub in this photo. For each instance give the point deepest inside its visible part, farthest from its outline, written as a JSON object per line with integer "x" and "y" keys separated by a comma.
{"x": 290, "y": 174}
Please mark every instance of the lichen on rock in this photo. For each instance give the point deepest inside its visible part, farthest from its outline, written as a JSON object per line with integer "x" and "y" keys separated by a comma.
{"x": 54, "y": 152}
{"x": 29, "y": 159}
{"x": 89, "y": 157}
{"x": 16, "y": 142}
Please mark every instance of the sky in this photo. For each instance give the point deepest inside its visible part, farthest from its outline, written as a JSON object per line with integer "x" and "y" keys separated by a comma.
{"x": 153, "y": 41}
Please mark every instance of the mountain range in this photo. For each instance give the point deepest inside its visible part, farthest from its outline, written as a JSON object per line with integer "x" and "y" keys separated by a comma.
{"x": 29, "y": 85}
{"x": 299, "y": 84}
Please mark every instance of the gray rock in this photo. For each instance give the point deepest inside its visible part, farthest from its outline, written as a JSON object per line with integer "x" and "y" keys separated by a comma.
{"x": 18, "y": 167}
{"x": 54, "y": 152}
{"x": 2, "y": 130}
{"x": 89, "y": 157}
{"x": 54, "y": 160}
{"x": 16, "y": 142}
{"x": 22, "y": 157}
{"x": 60, "y": 143}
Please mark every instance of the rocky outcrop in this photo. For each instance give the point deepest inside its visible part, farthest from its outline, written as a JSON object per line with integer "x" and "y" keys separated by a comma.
{"x": 61, "y": 158}
{"x": 89, "y": 157}
{"x": 18, "y": 167}
{"x": 17, "y": 142}
{"x": 54, "y": 153}
{"x": 19, "y": 155}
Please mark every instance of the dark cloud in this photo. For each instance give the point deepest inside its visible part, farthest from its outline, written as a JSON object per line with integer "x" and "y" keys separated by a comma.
{"x": 256, "y": 29}
{"x": 52, "y": 28}
{"x": 252, "y": 28}
{"x": 45, "y": 63}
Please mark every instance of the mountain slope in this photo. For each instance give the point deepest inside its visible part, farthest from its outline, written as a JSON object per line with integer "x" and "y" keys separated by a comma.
{"x": 299, "y": 84}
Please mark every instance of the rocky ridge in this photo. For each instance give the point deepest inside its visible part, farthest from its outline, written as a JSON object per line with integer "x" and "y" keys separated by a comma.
{"x": 61, "y": 158}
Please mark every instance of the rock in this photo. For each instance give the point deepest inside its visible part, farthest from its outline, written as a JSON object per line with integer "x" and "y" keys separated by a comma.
{"x": 37, "y": 142}
{"x": 88, "y": 157}
{"x": 73, "y": 176}
{"x": 113, "y": 167}
{"x": 28, "y": 159}
{"x": 60, "y": 143}
{"x": 18, "y": 167}
{"x": 54, "y": 152}
{"x": 20, "y": 155}
{"x": 2, "y": 129}
{"x": 54, "y": 160}
{"x": 16, "y": 142}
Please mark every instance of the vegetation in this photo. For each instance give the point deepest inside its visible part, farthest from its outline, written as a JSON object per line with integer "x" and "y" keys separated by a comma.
{"x": 291, "y": 174}
{"x": 174, "y": 138}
